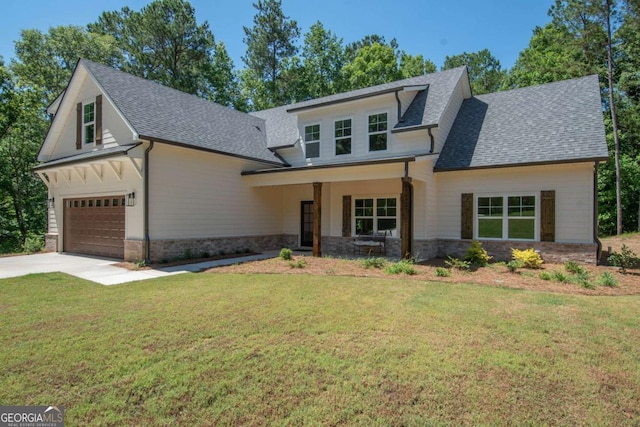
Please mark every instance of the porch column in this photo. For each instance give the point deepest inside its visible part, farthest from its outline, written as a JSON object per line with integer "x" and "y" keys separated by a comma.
{"x": 406, "y": 218}
{"x": 317, "y": 219}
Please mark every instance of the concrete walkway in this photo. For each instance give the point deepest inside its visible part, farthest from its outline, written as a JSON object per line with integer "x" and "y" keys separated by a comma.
{"x": 103, "y": 270}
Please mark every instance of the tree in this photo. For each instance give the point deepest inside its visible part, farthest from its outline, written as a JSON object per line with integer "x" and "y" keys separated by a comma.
{"x": 164, "y": 42}
{"x": 269, "y": 42}
{"x": 45, "y": 61}
{"x": 485, "y": 72}
{"x": 372, "y": 65}
{"x": 323, "y": 58}
{"x": 413, "y": 66}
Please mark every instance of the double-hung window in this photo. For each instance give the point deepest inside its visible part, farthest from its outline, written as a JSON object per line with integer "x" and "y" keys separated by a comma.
{"x": 507, "y": 217}
{"x": 376, "y": 215}
{"x": 312, "y": 140}
{"x": 378, "y": 132}
{"x": 342, "y": 134}
{"x": 89, "y": 122}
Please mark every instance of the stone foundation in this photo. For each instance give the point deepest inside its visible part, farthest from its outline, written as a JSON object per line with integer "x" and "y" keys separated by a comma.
{"x": 167, "y": 250}
{"x": 51, "y": 243}
{"x": 501, "y": 250}
{"x": 134, "y": 250}
{"x": 343, "y": 247}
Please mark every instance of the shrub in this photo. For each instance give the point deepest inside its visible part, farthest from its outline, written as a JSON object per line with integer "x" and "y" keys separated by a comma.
{"x": 286, "y": 254}
{"x": 528, "y": 258}
{"x": 374, "y": 262}
{"x": 546, "y": 275}
{"x": 573, "y": 267}
{"x": 477, "y": 255}
{"x": 560, "y": 276}
{"x": 141, "y": 264}
{"x": 301, "y": 263}
{"x": 583, "y": 279}
{"x": 401, "y": 267}
{"x": 457, "y": 264}
{"x": 442, "y": 272}
{"x": 607, "y": 279}
{"x": 513, "y": 265}
{"x": 33, "y": 243}
{"x": 624, "y": 259}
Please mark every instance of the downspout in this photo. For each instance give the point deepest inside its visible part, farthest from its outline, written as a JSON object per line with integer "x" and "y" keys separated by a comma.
{"x": 432, "y": 140}
{"x": 147, "y": 240}
{"x": 595, "y": 213}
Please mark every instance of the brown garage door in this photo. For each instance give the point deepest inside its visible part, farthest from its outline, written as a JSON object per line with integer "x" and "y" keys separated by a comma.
{"x": 94, "y": 226}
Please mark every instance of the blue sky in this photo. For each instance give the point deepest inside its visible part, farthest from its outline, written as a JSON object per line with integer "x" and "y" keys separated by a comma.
{"x": 433, "y": 28}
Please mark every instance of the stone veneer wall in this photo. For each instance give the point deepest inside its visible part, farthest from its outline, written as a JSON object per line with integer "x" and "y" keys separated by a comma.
{"x": 501, "y": 251}
{"x": 166, "y": 250}
{"x": 51, "y": 242}
{"x": 343, "y": 247}
{"x": 134, "y": 250}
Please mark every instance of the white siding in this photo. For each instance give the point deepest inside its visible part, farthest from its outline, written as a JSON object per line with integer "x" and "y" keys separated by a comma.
{"x": 195, "y": 194}
{"x": 449, "y": 116}
{"x": 574, "y": 195}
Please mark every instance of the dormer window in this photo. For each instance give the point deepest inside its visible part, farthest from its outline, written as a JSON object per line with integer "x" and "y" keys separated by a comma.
{"x": 343, "y": 136}
{"x": 89, "y": 122}
{"x": 312, "y": 141}
{"x": 378, "y": 132}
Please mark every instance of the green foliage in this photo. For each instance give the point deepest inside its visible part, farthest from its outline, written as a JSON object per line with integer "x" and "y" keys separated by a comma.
{"x": 374, "y": 262}
{"x": 624, "y": 259}
{"x": 33, "y": 243}
{"x": 457, "y": 264}
{"x": 401, "y": 267}
{"x": 324, "y": 57}
{"x": 443, "y": 272}
{"x": 573, "y": 267}
{"x": 477, "y": 255}
{"x": 607, "y": 279}
{"x": 141, "y": 264}
{"x": 528, "y": 258}
{"x": 560, "y": 276}
{"x": 546, "y": 275}
{"x": 300, "y": 263}
{"x": 514, "y": 265}
{"x": 286, "y": 254}
{"x": 485, "y": 72}
{"x": 372, "y": 65}
{"x": 582, "y": 278}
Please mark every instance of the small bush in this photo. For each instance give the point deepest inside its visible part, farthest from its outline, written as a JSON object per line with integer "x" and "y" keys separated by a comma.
{"x": 33, "y": 243}
{"x": 546, "y": 275}
{"x": 573, "y": 267}
{"x": 607, "y": 279}
{"x": 141, "y": 264}
{"x": 624, "y": 259}
{"x": 442, "y": 272}
{"x": 583, "y": 279}
{"x": 401, "y": 267}
{"x": 513, "y": 265}
{"x": 528, "y": 258}
{"x": 477, "y": 255}
{"x": 457, "y": 264}
{"x": 374, "y": 262}
{"x": 560, "y": 276}
{"x": 286, "y": 254}
{"x": 301, "y": 263}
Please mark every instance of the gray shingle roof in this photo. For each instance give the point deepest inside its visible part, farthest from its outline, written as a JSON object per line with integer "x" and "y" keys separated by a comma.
{"x": 425, "y": 110}
{"x": 551, "y": 123}
{"x": 162, "y": 113}
{"x": 90, "y": 155}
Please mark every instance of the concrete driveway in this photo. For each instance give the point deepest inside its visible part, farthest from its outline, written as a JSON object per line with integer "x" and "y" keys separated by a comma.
{"x": 101, "y": 270}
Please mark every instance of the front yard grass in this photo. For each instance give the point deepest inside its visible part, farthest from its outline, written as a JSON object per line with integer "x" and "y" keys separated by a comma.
{"x": 251, "y": 349}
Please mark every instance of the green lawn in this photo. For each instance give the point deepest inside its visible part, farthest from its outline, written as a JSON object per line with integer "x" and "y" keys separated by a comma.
{"x": 205, "y": 349}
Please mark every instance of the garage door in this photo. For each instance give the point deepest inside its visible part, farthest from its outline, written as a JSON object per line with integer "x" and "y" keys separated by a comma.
{"x": 94, "y": 226}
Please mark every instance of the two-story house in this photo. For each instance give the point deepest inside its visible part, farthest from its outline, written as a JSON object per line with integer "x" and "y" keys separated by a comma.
{"x": 136, "y": 170}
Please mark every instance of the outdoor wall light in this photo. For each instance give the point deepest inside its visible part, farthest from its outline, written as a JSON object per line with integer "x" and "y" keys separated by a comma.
{"x": 51, "y": 202}
{"x": 131, "y": 198}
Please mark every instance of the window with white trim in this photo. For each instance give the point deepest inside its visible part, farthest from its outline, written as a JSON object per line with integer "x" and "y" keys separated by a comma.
{"x": 506, "y": 217}
{"x": 378, "y": 214}
{"x": 342, "y": 135}
{"x": 312, "y": 140}
{"x": 89, "y": 122}
{"x": 378, "y": 132}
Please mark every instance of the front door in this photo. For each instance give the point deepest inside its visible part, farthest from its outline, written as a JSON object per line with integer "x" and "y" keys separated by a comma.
{"x": 306, "y": 223}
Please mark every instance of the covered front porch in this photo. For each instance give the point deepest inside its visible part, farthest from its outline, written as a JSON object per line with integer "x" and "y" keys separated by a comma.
{"x": 328, "y": 206}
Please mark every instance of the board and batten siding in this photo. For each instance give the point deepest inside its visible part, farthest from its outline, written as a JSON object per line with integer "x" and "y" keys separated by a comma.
{"x": 195, "y": 194}
{"x": 573, "y": 184}
{"x": 115, "y": 131}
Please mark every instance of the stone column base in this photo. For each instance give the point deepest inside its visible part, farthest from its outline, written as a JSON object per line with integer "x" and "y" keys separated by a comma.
{"x": 51, "y": 242}
{"x": 134, "y": 250}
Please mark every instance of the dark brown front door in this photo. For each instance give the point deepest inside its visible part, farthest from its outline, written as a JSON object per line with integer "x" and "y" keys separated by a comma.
{"x": 95, "y": 226}
{"x": 306, "y": 223}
